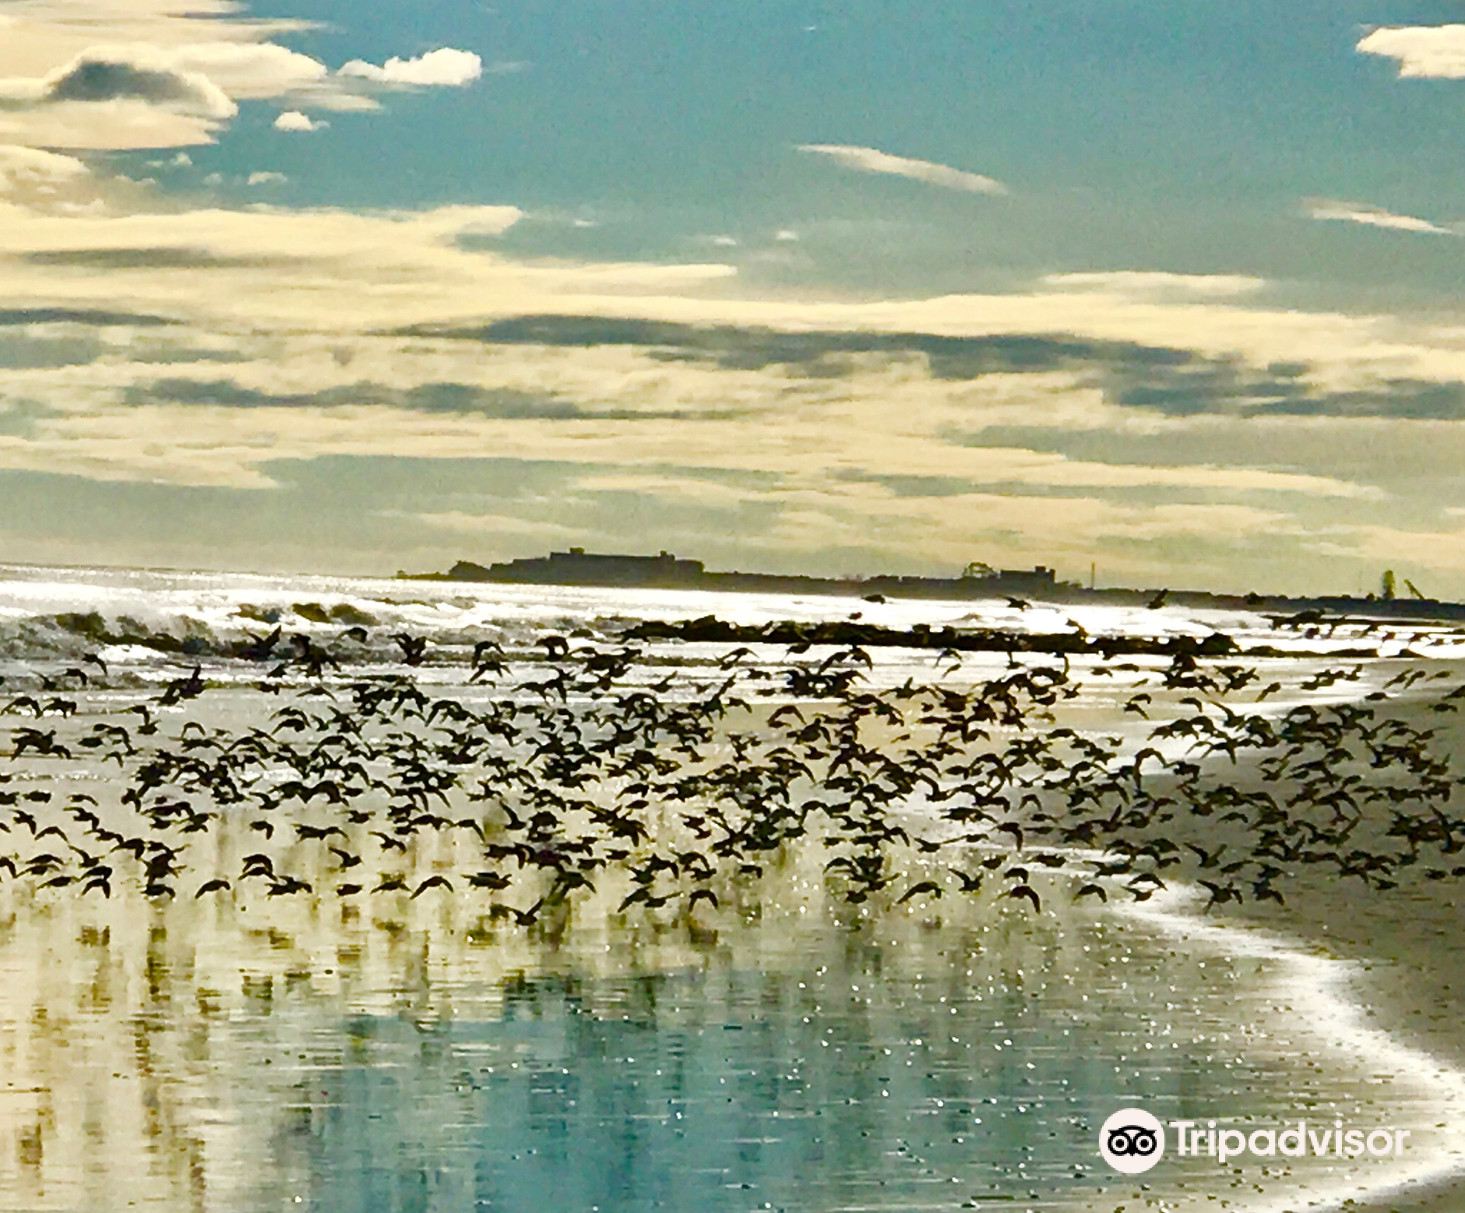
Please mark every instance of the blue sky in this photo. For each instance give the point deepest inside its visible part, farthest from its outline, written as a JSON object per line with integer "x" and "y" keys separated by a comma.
{"x": 1181, "y": 135}
{"x": 835, "y": 286}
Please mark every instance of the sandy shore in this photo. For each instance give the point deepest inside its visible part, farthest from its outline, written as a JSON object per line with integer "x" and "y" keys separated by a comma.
{"x": 1408, "y": 942}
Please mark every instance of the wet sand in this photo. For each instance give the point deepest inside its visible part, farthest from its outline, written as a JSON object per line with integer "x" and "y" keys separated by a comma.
{"x": 1409, "y": 944}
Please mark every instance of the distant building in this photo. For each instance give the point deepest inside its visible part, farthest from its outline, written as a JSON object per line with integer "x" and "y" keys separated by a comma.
{"x": 666, "y": 571}
{"x": 1036, "y": 579}
{"x": 579, "y": 567}
{"x": 977, "y": 580}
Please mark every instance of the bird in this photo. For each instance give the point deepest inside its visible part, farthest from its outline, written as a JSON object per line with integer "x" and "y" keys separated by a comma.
{"x": 927, "y": 888}
{"x": 970, "y": 883}
{"x": 622, "y": 758}
{"x": 1026, "y": 891}
{"x": 180, "y": 689}
{"x": 523, "y": 918}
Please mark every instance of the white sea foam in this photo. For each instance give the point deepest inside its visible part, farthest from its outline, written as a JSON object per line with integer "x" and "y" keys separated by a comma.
{"x": 46, "y": 612}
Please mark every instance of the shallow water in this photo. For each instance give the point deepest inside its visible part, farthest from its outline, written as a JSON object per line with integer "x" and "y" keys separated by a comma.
{"x": 188, "y": 1060}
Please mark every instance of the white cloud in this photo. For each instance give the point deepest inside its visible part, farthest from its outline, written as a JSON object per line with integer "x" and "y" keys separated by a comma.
{"x": 110, "y": 75}
{"x": 1150, "y": 282}
{"x": 266, "y": 178}
{"x": 492, "y": 526}
{"x": 786, "y": 235}
{"x": 250, "y": 71}
{"x": 444, "y": 67}
{"x": 30, "y": 168}
{"x": 871, "y": 160}
{"x": 446, "y": 223}
{"x": 1441, "y": 551}
{"x": 294, "y": 121}
{"x": 1422, "y": 51}
{"x": 1370, "y": 216}
{"x": 119, "y": 74}
{"x": 111, "y": 126}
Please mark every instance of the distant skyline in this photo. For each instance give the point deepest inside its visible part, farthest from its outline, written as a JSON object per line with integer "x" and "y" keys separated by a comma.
{"x": 788, "y": 285}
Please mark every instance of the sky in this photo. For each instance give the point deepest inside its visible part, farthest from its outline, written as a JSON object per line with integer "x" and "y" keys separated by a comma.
{"x": 838, "y": 286}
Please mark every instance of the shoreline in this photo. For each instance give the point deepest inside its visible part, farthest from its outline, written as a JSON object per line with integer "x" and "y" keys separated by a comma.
{"x": 1390, "y": 956}
{"x": 1338, "y": 1014}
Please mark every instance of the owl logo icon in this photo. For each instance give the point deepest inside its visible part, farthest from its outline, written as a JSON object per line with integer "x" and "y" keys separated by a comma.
{"x": 1132, "y": 1141}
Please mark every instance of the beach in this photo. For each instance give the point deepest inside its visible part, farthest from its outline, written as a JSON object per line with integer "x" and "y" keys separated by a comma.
{"x": 265, "y": 1036}
{"x": 806, "y": 607}
{"x": 1403, "y": 945}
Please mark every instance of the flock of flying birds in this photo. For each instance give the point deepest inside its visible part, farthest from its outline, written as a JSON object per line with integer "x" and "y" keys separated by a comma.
{"x": 528, "y": 780}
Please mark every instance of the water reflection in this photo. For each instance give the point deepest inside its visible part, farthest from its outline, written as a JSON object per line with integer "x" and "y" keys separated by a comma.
{"x": 192, "y": 1058}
